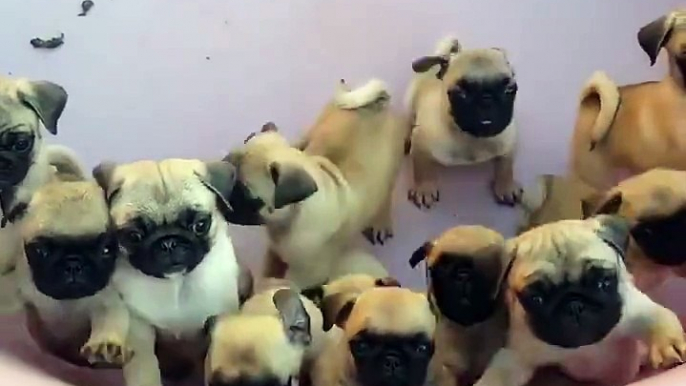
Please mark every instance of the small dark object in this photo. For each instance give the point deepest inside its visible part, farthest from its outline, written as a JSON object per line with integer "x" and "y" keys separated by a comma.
{"x": 50, "y": 43}
{"x": 86, "y": 6}
{"x": 207, "y": 58}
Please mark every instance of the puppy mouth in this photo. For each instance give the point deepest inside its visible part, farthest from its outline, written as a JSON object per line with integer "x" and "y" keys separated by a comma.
{"x": 486, "y": 122}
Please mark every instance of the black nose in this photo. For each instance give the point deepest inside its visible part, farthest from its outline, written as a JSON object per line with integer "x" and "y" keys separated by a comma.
{"x": 73, "y": 268}
{"x": 392, "y": 365}
{"x": 168, "y": 244}
{"x": 576, "y": 309}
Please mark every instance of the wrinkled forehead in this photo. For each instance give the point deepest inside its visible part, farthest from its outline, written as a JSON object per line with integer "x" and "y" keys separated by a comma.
{"x": 392, "y": 312}
{"x": 15, "y": 116}
{"x": 486, "y": 64}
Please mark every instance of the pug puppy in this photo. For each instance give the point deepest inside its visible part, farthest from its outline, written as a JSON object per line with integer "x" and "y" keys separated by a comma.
{"x": 655, "y": 204}
{"x": 463, "y": 117}
{"x": 572, "y": 304}
{"x": 26, "y": 164}
{"x": 387, "y": 339}
{"x": 70, "y": 250}
{"x": 275, "y": 338}
{"x": 465, "y": 266}
{"x": 354, "y": 283}
{"x": 178, "y": 265}
{"x": 315, "y": 203}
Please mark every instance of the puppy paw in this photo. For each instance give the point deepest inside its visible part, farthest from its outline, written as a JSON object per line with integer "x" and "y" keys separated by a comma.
{"x": 667, "y": 346}
{"x": 509, "y": 193}
{"x": 424, "y": 195}
{"x": 109, "y": 350}
{"x": 378, "y": 235}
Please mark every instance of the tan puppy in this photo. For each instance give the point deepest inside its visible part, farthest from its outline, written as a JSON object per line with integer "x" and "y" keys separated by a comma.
{"x": 572, "y": 304}
{"x": 465, "y": 266}
{"x": 355, "y": 283}
{"x": 64, "y": 279}
{"x": 387, "y": 340}
{"x": 315, "y": 203}
{"x": 655, "y": 204}
{"x": 462, "y": 106}
{"x": 277, "y": 335}
{"x": 178, "y": 266}
{"x": 635, "y": 127}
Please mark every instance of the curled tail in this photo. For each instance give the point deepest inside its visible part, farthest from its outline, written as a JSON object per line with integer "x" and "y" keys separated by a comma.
{"x": 65, "y": 161}
{"x": 374, "y": 91}
{"x": 602, "y": 87}
{"x": 449, "y": 45}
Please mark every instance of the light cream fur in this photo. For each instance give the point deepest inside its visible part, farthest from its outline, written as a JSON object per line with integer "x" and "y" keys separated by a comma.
{"x": 561, "y": 249}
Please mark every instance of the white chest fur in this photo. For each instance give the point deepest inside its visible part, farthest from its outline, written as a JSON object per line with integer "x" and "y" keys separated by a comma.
{"x": 465, "y": 150}
{"x": 181, "y": 305}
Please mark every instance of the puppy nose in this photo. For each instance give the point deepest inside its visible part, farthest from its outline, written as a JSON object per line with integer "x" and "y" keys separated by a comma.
{"x": 392, "y": 365}
{"x": 73, "y": 267}
{"x": 576, "y": 308}
{"x": 168, "y": 245}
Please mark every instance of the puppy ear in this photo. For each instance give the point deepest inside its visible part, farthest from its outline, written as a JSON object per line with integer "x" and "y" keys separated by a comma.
{"x": 269, "y": 127}
{"x": 425, "y": 63}
{"x": 611, "y": 205}
{"x": 296, "y": 320}
{"x": 387, "y": 282}
{"x": 592, "y": 201}
{"x": 103, "y": 174}
{"x": 615, "y": 231}
{"x": 316, "y": 294}
{"x": 420, "y": 254}
{"x": 47, "y": 100}
{"x": 220, "y": 178}
{"x": 293, "y": 184}
{"x": 336, "y": 309}
{"x": 653, "y": 36}
{"x": 209, "y": 324}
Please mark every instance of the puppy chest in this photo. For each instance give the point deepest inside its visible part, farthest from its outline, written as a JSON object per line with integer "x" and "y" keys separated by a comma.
{"x": 467, "y": 152}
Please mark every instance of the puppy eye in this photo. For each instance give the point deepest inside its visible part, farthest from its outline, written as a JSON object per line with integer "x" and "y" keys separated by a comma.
{"x": 201, "y": 227}
{"x": 511, "y": 87}
{"x": 21, "y": 144}
{"x": 421, "y": 348}
{"x": 359, "y": 347}
{"x": 39, "y": 251}
{"x": 134, "y": 237}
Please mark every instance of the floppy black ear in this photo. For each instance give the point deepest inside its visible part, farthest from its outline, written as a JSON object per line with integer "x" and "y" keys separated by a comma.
{"x": 611, "y": 205}
{"x": 103, "y": 174}
{"x": 615, "y": 230}
{"x": 316, "y": 294}
{"x": 387, "y": 282}
{"x": 420, "y": 254}
{"x": 425, "y": 63}
{"x": 653, "y": 36}
{"x": 336, "y": 309}
{"x": 47, "y": 100}
{"x": 269, "y": 127}
{"x": 292, "y": 184}
{"x": 296, "y": 320}
{"x": 220, "y": 178}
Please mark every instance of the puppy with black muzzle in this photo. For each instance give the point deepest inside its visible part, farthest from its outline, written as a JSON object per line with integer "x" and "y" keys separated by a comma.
{"x": 316, "y": 202}
{"x": 387, "y": 339}
{"x": 572, "y": 304}
{"x": 655, "y": 204}
{"x": 463, "y": 117}
{"x": 70, "y": 250}
{"x": 275, "y": 339}
{"x": 178, "y": 266}
{"x": 26, "y": 164}
{"x": 465, "y": 266}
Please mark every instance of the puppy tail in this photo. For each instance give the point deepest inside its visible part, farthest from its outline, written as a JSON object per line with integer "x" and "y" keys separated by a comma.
{"x": 374, "y": 91}
{"x": 447, "y": 46}
{"x": 600, "y": 86}
{"x": 66, "y": 162}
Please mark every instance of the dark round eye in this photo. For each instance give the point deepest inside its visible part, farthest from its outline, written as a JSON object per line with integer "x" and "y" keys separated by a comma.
{"x": 421, "y": 348}
{"x": 38, "y": 250}
{"x": 134, "y": 237}
{"x": 201, "y": 227}
{"x": 511, "y": 87}
{"x": 359, "y": 347}
{"x": 21, "y": 144}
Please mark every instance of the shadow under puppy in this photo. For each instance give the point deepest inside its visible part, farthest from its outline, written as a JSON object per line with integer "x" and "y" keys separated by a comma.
{"x": 72, "y": 311}
{"x": 178, "y": 266}
{"x": 465, "y": 266}
{"x": 315, "y": 203}
{"x": 387, "y": 339}
{"x": 26, "y": 163}
{"x": 634, "y": 128}
{"x": 466, "y": 117}
{"x": 654, "y": 202}
{"x": 573, "y": 305}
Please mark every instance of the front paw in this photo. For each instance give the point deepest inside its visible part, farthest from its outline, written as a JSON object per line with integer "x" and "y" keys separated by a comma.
{"x": 424, "y": 195}
{"x": 109, "y": 351}
{"x": 507, "y": 193}
{"x": 667, "y": 346}
{"x": 378, "y": 235}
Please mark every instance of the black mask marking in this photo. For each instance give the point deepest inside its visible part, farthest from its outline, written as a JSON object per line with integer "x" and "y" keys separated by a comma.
{"x": 391, "y": 360}
{"x": 662, "y": 239}
{"x": 218, "y": 380}
{"x": 161, "y": 249}
{"x": 245, "y": 207}
{"x": 574, "y": 314}
{"x": 15, "y": 157}
{"x": 65, "y": 268}
{"x": 463, "y": 293}
{"x": 483, "y": 108}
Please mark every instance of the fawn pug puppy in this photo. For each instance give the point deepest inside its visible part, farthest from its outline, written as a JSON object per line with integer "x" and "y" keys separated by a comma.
{"x": 315, "y": 203}
{"x": 572, "y": 304}
{"x": 178, "y": 266}
{"x": 26, "y": 163}
{"x": 634, "y": 127}
{"x": 387, "y": 339}
{"x": 275, "y": 338}
{"x": 464, "y": 116}
{"x": 655, "y": 204}
{"x": 465, "y": 266}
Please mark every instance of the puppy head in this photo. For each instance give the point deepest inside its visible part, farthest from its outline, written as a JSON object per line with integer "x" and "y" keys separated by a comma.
{"x": 271, "y": 177}
{"x": 668, "y": 31}
{"x": 23, "y": 104}
{"x": 389, "y": 332}
{"x": 466, "y": 266}
{"x": 565, "y": 279}
{"x": 655, "y": 204}
{"x": 69, "y": 243}
{"x": 259, "y": 350}
{"x": 168, "y": 214}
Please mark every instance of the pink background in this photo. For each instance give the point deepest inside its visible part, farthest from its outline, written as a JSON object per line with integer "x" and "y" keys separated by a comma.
{"x": 166, "y": 78}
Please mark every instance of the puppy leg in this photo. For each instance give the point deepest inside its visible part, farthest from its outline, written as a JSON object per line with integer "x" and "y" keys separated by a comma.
{"x": 143, "y": 369}
{"x": 506, "y": 190}
{"x": 424, "y": 192}
{"x": 109, "y": 331}
{"x": 506, "y": 369}
{"x": 381, "y": 228}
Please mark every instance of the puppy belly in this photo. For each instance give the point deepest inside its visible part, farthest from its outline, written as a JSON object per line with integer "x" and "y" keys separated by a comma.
{"x": 614, "y": 362}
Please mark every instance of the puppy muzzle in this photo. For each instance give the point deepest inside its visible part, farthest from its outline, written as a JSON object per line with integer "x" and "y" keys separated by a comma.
{"x": 245, "y": 208}
{"x": 484, "y": 112}
{"x": 72, "y": 277}
{"x": 13, "y": 169}
{"x": 172, "y": 253}
{"x": 463, "y": 296}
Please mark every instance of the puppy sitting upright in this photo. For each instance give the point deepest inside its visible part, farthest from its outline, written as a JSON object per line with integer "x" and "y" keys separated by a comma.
{"x": 387, "y": 340}
{"x": 572, "y": 304}
{"x": 463, "y": 118}
{"x": 70, "y": 252}
{"x": 637, "y": 127}
{"x": 465, "y": 268}
{"x": 178, "y": 266}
